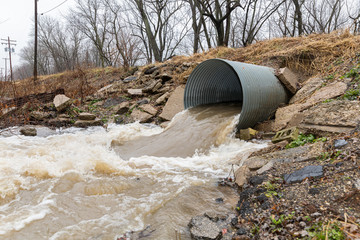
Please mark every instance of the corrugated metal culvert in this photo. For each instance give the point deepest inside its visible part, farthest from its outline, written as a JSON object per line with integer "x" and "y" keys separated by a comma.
{"x": 218, "y": 80}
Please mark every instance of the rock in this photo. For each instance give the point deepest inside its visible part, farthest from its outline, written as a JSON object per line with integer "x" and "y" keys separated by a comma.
{"x": 285, "y": 114}
{"x": 247, "y": 134}
{"x": 143, "y": 101}
{"x": 40, "y": 116}
{"x": 257, "y": 180}
{"x": 165, "y": 124}
{"x": 314, "y": 191}
{"x": 255, "y": 163}
{"x": 331, "y": 117}
{"x": 164, "y": 77}
{"x": 219, "y": 200}
{"x": 265, "y": 168}
{"x": 28, "y": 131}
{"x": 150, "y": 70}
{"x": 289, "y": 134}
{"x": 174, "y": 105}
{"x": 102, "y": 92}
{"x": 202, "y": 228}
{"x": 332, "y": 90}
{"x": 112, "y": 102}
{"x": 340, "y": 143}
{"x": 309, "y": 87}
{"x": 61, "y": 102}
{"x": 60, "y": 122}
{"x": 121, "y": 108}
{"x": 149, "y": 109}
{"x": 135, "y": 92}
{"x": 87, "y": 116}
{"x": 88, "y": 123}
{"x": 153, "y": 86}
{"x": 163, "y": 98}
{"x": 305, "y": 172}
{"x": 241, "y": 175}
{"x": 357, "y": 184}
{"x": 129, "y": 79}
{"x": 288, "y": 78}
{"x": 140, "y": 116}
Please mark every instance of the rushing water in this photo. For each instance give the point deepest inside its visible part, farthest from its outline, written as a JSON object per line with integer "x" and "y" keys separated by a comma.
{"x": 100, "y": 184}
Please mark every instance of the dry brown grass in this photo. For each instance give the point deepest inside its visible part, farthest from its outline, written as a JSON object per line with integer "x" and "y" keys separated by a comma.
{"x": 313, "y": 54}
{"x": 322, "y": 54}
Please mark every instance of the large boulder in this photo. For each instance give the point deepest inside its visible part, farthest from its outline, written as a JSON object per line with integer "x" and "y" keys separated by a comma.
{"x": 332, "y": 117}
{"x": 285, "y": 114}
{"x": 175, "y": 104}
{"x": 288, "y": 78}
{"x": 61, "y": 102}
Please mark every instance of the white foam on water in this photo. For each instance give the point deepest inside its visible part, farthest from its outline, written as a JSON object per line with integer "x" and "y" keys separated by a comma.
{"x": 26, "y": 162}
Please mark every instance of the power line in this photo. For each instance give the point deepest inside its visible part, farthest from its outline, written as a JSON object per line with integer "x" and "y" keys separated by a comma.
{"x": 54, "y": 7}
{"x": 5, "y": 21}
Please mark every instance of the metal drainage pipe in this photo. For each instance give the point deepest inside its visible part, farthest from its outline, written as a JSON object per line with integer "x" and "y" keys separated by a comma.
{"x": 218, "y": 80}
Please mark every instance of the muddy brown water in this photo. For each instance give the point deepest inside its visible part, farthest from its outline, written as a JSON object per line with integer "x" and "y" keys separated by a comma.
{"x": 97, "y": 184}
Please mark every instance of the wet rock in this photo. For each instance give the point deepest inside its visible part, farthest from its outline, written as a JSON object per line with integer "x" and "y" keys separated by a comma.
{"x": 149, "y": 109}
{"x": 123, "y": 119}
{"x": 288, "y": 78}
{"x": 140, "y": 116}
{"x": 219, "y": 200}
{"x": 212, "y": 216}
{"x": 150, "y": 70}
{"x": 306, "y": 172}
{"x": 165, "y": 124}
{"x": 60, "y": 121}
{"x": 255, "y": 163}
{"x": 88, "y": 123}
{"x": 340, "y": 143}
{"x": 174, "y": 105}
{"x": 247, "y": 134}
{"x": 143, "y": 101}
{"x": 129, "y": 79}
{"x": 202, "y": 228}
{"x": 122, "y": 108}
{"x": 40, "y": 116}
{"x": 241, "y": 175}
{"x": 28, "y": 131}
{"x": 135, "y": 92}
{"x": 162, "y": 98}
{"x": 257, "y": 180}
{"x": 61, "y": 102}
{"x": 112, "y": 102}
{"x": 87, "y": 116}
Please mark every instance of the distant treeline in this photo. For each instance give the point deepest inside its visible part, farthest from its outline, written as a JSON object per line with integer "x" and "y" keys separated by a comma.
{"x": 124, "y": 33}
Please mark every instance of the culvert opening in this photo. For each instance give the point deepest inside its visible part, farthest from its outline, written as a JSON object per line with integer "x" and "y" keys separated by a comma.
{"x": 221, "y": 81}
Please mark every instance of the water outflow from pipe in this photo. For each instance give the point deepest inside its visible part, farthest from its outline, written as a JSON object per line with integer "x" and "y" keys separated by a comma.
{"x": 74, "y": 186}
{"x": 194, "y": 130}
{"x": 219, "y": 81}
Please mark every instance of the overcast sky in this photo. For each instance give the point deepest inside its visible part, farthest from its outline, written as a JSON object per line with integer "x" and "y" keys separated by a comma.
{"x": 16, "y": 21}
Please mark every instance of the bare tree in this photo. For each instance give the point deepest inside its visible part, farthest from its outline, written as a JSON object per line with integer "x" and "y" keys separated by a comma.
{"x": 159, "y": 26}
{"x": 219, "y": 12}
{"x": 92, "y": 18}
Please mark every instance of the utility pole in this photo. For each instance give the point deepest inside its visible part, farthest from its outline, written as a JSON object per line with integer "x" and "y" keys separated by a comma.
{"x": 9, "y": 43}
{"x": 5, "y": 68}
{"x": 36, "y": 43}
{"x": 1, "y": 69}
